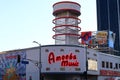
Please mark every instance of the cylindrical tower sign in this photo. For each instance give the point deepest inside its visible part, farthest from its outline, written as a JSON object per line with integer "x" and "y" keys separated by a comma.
{"x": 66, "y": 22}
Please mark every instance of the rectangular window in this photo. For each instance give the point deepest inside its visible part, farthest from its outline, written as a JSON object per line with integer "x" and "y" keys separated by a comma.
{"x": 107, "y": 64}
{"x": 116, "y": 65}
{"x": 111, "y": 66}
{"x": 119, "y": 66}
{"x": 103, "y": 64}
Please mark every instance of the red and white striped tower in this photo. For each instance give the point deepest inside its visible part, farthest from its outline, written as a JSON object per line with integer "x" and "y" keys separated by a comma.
{"x": 66, "y": 22}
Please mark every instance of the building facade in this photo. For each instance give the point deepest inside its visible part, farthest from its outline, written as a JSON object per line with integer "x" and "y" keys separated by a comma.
{"x": 108, "y": 18}
{"x": 67, "y": 62}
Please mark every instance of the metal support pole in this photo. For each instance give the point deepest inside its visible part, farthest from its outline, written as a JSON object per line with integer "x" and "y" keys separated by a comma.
{"x": 39, "y": 58}
{"x": 86, "y": 63}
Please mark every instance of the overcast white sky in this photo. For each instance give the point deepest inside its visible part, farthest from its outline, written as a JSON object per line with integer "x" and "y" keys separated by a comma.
{"x": 25, "y": 21}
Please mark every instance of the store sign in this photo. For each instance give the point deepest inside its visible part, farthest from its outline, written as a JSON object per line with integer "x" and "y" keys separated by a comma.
{"x": 111, "y": 39}
{"x": 102, "y": 34}
{"x": 109, "y": 79}
{"x": 92, "y": 64}
{"x": 11, "y": 57}
{"x": 101, "y": 37}
{"x": 86, "y": 37}
{"x": 69, "y": 59}
{"x": 109, "y": 73}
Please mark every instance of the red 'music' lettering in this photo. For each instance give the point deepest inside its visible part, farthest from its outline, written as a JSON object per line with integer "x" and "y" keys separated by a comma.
{"x": 66, "y": 59}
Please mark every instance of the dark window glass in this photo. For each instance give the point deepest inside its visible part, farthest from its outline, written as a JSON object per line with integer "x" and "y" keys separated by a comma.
{"x": 107, "y": 64}
{"x": 119, "y": 66}
{"x": 103, "y": 64}
{"x": 116, "y": 65}
{"x": 111, "y": 66}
